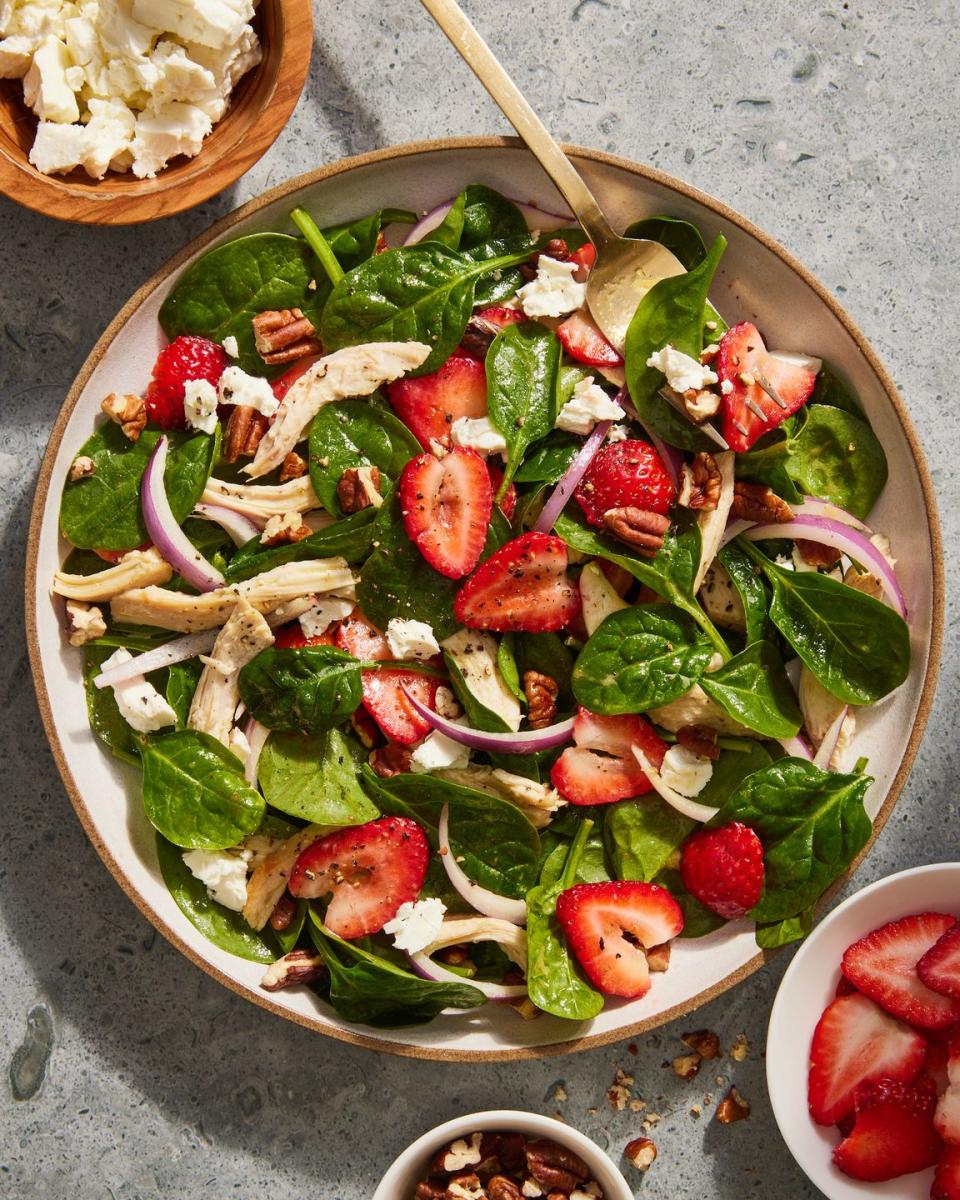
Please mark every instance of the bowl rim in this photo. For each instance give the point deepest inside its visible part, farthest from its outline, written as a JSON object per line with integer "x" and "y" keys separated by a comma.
{"x": 352, "y": 1035}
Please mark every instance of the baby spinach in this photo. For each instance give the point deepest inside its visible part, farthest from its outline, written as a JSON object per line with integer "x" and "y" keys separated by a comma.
{"x": 349, "y": 434}
{"x": 350, "y": 538}
{"x": 639, "y": 658}
{"x": 315, "y": 778}
{"x": 182, "y": 680}
{"x": 782, "y": 933}
{"x": 731, "y": 769}
{"x": 522, "y": 365}
{"x": 301, "y": 690}
{"x": 831, "y": 389}
{"x": 487, "y": 215}
{"x": 676, "y": 234}
{"x": 194, "y": 791}
{"x": 698, "y": 920}
{"x": 547, "y": 462}
{"x": 753, "y": 689}
{"x": 102, "y": 711}
{"x": 748, "y": 581}
{"x": 289, "y": 937}
{"x": 353, "y": 242}
{"x": 507, "y": 665}
{"x": 643, "y": 836}
{"x": 102, "y": 512}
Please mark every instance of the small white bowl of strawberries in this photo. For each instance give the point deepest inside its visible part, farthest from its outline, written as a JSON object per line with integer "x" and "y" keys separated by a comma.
{"x": 863, "y": 1049}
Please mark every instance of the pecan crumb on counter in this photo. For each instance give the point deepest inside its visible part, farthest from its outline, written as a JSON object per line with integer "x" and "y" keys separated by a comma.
{"x": 732, "y": 1108}
{"x": 641, "y": 1152}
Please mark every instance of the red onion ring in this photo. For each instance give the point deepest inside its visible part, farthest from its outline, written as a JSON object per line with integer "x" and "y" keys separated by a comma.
{"x": 483, "y": 900}
{"x": 179, "y": 650}
{"x": 240, "y": 528}
{"x": 825, "y": 750}
{"x": 796, "y": 747}
{"x": 539, "y": 218}
{"x": 426, "y": 968}
{"x": 571, "y": 477}
{"x": 683, "y": 804}
{"x": 428, "y": 223}
{"x": 812, "y": 507}
{"x": 528, "y": 742}
{"x": 164, "y": 531}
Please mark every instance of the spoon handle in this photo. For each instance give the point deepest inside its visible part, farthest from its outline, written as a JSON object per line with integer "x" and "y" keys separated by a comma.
{"x": 484, "y": 64}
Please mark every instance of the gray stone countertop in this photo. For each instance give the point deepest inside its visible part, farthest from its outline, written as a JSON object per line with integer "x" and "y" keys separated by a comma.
{"x": 129, "y": 1073}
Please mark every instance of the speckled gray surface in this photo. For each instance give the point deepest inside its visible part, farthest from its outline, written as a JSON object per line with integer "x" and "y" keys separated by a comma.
{"x": 129, "y": 1072}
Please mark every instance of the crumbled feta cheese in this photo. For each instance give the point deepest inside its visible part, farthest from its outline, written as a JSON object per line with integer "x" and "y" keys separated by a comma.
{"x": 45, "y": 86}
{"x": 618, "y": 433}
{"x": 225, "y": 875}
{"x": 200, "y": 405}
{"x": 437, "y": 752}
{"x": 15, "y": 56}
{"x": 588, "y": 405}
{"x": 109, "y": 133}
{"x": 84, "y": 622}
{"x": 214, "y": 23}
{"x": 230, "y": 346}
{"x": 237, "y": 387}
{"x": 682, "y": 371}
{"x": 411, "y": 639}
{"x": 445, "y": 703}
{"x": 554, "y": 292}
{"x": 317, "y": 620}
{"x": 684, "y": 771}
{"x": 139, "y": 702}
{"x": 58, "y": 148}
{"x": 531, "y": 1188}
{"x": 416, "y": 924}
{"x": 726, "y": 386}
{"x": 478, "y": 433}
{"x": 174, "y": 129}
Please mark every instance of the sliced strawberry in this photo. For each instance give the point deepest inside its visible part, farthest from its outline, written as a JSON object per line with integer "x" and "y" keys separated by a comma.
{"x": 628, "y": 474}
{"x": 600, "y": 767}
{"x": 185, "y": 358}
{"x": 844, "y": 986}
{"x": 524, "y": 585}
{"x": 935, "y": 1066}
{"x": 429, "y": 404}
{"x": 446, "y": 504}
{"x": 744, "y": 362}
{"x": 292, "y": 637}
{"x": 383, "y": 695}
{"x": 501, "y": 317}
{"x": 723, "y": 869}
{"x": 883, "y": 965}
{"x": 947, "y": 1120}
{"x": 946, "y": 1179}
{"x": 585, "y": 257}
{"x": 582, "y": 340}
{"x": 509, "y": 501}
{"x": 855, "y": 1042}
{"x": 609, "y": 927}
{"x": 283, "y": 383}
{"x": 893, "y": 1132}
{"x": 368, "y": 871}
{"x": 940, "y": 966}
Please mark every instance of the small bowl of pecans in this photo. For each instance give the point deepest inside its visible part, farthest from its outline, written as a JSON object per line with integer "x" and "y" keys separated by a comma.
{"x": 503, "y": 1155}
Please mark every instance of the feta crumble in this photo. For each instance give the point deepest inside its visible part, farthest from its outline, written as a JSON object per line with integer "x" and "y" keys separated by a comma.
{"x": 685, "y": 772}
{"x": 200, "y": 405}
{"x": 317, "y": 620}
{"x": 554, "y": 292}
{"x": 726, "y": 387}
{"x": 411, "y": 639}
{"x": 225, "y": 875}
{"x": 478, "y": 433}
{"x": 588, "y": 405}
{"x": 437, "y": 752}
{"x": 416, "y": 925}
{"x": 231, "y": 347}
{"x": 237, "y": 387}
{"x": 618, "y": 433}
{"x": 139, "y": 702}
{"x": 682, "y": 371}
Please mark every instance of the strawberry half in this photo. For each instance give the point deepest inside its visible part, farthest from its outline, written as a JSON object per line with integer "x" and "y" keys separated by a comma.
{"x": 368, "y": 871}
{"x": 883, "y": 965}
{"x": 292, "y": 637}
{"x": 445, "y": 504}
{"x": 600, "y": 767}
{"x": 628, "y": 474}
{"x": 749, "y": 410}
{"x": 185, "y": 358}
{"x": 947, "y": 1120}
{"x": 583, "y": 341}
{"x": 940, "y": 966}
{"x": 856, "y": 1042}
{"x": 723, "y": 869}
{"x": 524, "y": 585}
{"x": 610, "y": 926}
{"x": 383, "y": 695}
{"x": 283, "y": 383}
{"x": 893, "y": 1132}
{"x": 501, "y": 317}
{"x": 946, "y": 1180}
{"x": 429, "y": 404}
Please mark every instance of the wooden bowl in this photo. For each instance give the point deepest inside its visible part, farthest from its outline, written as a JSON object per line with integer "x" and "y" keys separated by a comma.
{"x": 259, "y": 108}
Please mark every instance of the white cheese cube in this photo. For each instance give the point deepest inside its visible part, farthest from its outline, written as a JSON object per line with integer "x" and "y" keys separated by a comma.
{"x": 58, "y": 148}
{"x": 437, "y": 752}
{"x": 478, "y": 433}
{"x": 35, "y": 18}
{"x": 139, "y": 702}
{"x": 317, "y": 620}
{"x": 200, "y": 405}
{"x": 179, "y": 77}
{"x": 224, "y": 873}
{"x": 175, "y": 129}
{"x": 121, "y": 35}
{"x": 682, "y": 371}
{"x": 16, "y": 54}
{"x": 210, "y": 22}
{"x": 411, "y": 639}
{"x": 684, "y": 771}
{"x": 237, "y": 387}
{"x": 45, "y": 87}
{"x": 80, "y": 35}
{"x": 416, "y": 925}
{"x": 231, "y": 346}
{"x": 554, "y": 292}
{"x": 588, "y": 405}
{"x": 108, "y": 135}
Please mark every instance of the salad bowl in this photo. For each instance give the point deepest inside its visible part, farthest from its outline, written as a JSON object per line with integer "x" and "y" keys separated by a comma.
{"x": 757, "y": 279}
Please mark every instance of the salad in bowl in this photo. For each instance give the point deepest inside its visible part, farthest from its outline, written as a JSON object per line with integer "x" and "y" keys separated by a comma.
{"x": 466, "y": 657}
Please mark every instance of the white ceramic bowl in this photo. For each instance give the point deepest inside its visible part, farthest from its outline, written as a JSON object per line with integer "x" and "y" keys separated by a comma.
{"x": 757, "y": 279}
{"x": 807, "y": 988}
{"x": 408, "y": 1169}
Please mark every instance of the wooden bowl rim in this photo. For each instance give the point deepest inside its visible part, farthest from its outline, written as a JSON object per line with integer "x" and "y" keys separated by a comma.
{"x": 342, "y": 1033}
{"x": 90, "y": 205}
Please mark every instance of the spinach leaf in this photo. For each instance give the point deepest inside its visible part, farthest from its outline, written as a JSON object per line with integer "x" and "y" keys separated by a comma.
{"x": 182, "y": 680}
{"x": 753, "y": 689}
{"x": 643, "y": 836}
{"x": 450, "y": 229}
{"x": 672, "y": 311}
{"x": 782, "y": 933}
{"x": 831, "y": 389}
{"x": 676, "y": 234}
{"x": 289, "y": 937}
{"x": 351, "y": 433}
{"x": 812, "y": 825}
{"x": 639, "y": 658}
{"x": 522, "y": 365}
{"x": 315, "y": 778}
{"x": 698, "y": 920}
{"x": 195, "y": 794}
{"x": 353, "y": 242}
{"x": 731, "y": 769}
{"x": 350, "y": 537}
{"x": 102, "y": 711}
{"x": 103, "y": 511}
{"x": 857, "y": 647}
{"x": 487, "y": 215}
{"x": 507, "y": 666}
{"x": 301, "y": 690}
{"x": 222, "y": 926}
{"x": 748, "y": 581}
{"x": 547, "y": 462}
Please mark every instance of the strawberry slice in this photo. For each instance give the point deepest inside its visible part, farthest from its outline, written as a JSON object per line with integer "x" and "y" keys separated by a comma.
{"x": 582, "y": 340}
{"x": 723, "y": 869}
{"x": 524, "y": 585}
{"x": 893, "y": 1132}
{"x": 947, "y": 1119}
{"x": 628, "y": 474}
{"x": 368, "y": 872}
{"x": 856, "y": 1042}
{"x": 609, "y": 927}
{"x": 585, "y": 257}
{"x": 292, "y": 637}
{"x": 446, "y": 504}
{"x": 283, "y": 383}
{"x": 600, "y": 767}
{"x": 755, "y": 375}
{"x": 883, "y": 965}
{"x": 429, "y": 404}
{"x": 383, "y": 696}
{"x": 186, "y": 357}
{"x": 509, "y": 502}
{"x": 940, "y": 966}
{"x": 499, "y": 316}
{"x": 946, "y": 1179}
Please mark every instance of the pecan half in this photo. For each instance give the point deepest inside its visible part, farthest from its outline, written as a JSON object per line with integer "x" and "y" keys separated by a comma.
{"x": 282, "y": 531}
{"x": 699, "y": 739}
{"x": 82, "y": 468}
{"x": 732, "y": 1108}
{"x": 704, "y": 1042}
{"x": 466, "y": 1187}
{"x": 292, "y": 467}
{"x": 699, "y": 405}
{"x": 554, "y": 1166}
{"x": 430, "y": 1191}
{"x": 642, "y": 530}
{"x": 641, "y": 1152}
{"x": 282, "y": 335}
{"x": 756, "y": 502}
{"x": 129, "y": 412}
{"x": 84, "y": 623}
{"x": 700, "y": 483}
{"x": 658, "y": 957}
{"x": 816, "y": 554}
{"x": 392, "y": 759}
{"x": 299, "y": 966}
{"x": 282, "y": 916}
{"x": 245, "y": 428}
{"x": 541, "y": 692}
{"x": 499, "y": 1187}
{"x": 359, "y": 488}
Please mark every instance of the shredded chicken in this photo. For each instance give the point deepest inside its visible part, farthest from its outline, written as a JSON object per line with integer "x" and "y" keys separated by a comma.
{"x": 138, "y": 569}
{"x": 696, "y": 708}
{"x": 511, "y": 939}
{"x": 215, "y": 701}
{"x": 475, "y": 654}
{"x": 536, "y": 801}
{"x": 269, "y": 879}
{"x": 721, "y": 600}
{"x": 262, "y": 501}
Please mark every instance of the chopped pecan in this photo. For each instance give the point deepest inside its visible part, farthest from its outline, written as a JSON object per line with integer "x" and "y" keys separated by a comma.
{"x": 641, "y": 1152}
{"x": 816, "y": 554}
{"x": 430, "y": 1191}
{"x": 704, "y": 1042}
{"x": 510, "y": 1147}
{"x": 700, "y": 483}
{"x": 129, "y": 412}
{"x": 283, "y": 531}
{"x": 359, "y": 488}
{"x": 82, "y": 468}
{"x": 391, "y": 759}
{"x": 499, "y": 1187}
{"x": 740, "y": 1048}
{"x": 699, "y": 404}
{"x": 84, "y": 623}
{"x": 455, "y": 956}
{"x": 541, "y": 692}
{"x": 554, "y": 1166}
{"x": 756, "y": 502}
{"x": 686, "y": 1066}
{"x": 245, "y": 428}
{"x": 642, "y": 530}
{"x": 658, "y": 957}
{"x": 299, "y": 966}
{"x": 282, "y": 916}
{"x": 284, "y": 334}
{"x": 699, "y": 739}
{"x": 293, "y": 467}
{"x": 732, "y": 1108}
{"x": 459, "y": 1155}
{"x": 466, "y": 1187}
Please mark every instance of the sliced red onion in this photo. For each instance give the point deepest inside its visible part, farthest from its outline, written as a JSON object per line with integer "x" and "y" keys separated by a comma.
{"x": 558, "y": 498}
{"x": 791, "y": 358}
{"x": 734, "y": 529}
{"x": 827, "y": 747}
{"x": 164, "y": 531}
{"x": 683, "y": 804}
{"x": 256, "y": 735}
{"x": 240, "y": 528}
{"x": 483, "y": 900}
{"x": 812, "y": 507}
{"x": 529, "y": 742}
{"x": 539, "y": 218}
{"x": 179, "y": 650}
{"x": 796, "y": 747}
{"x": 428, "y": 224}
{"x": 426, "y": 968}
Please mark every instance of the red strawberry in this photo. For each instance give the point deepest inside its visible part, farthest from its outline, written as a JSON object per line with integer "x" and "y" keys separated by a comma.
{"x": 844, "y": 986}
{"x": 185, "y": 358}
{"x": 583, "y": 341}
{"x": 893, "y": 1133}
{"x": 600, "y": 767}
{"x": 429, "y": 404}
{"x": 368, "y": 871}
{"x": 723, "y": 869}
{"x": 609, "y": 927}
{"x": 625, "y": 474}
{"x": 947, "y": 1120}
{"x": 509, "y": 501}
{"x": 883, "y": 965}
{"x": 283, "y": 383}
{"x": 446, "y": 504}
{"x": 585, "y": 257}
{"x": 744, "y": 361}
{"x": 292, "y": 637}
{"x": 523, "y": 585}
{"x": 940, "y": 966}
{"x": 501, "y": 317}
{"x": 383, "y": 696}
{"x": 855, "y": 1042}
{"x": 935, "y": 1066}
{"x": 946, "y": 1180}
